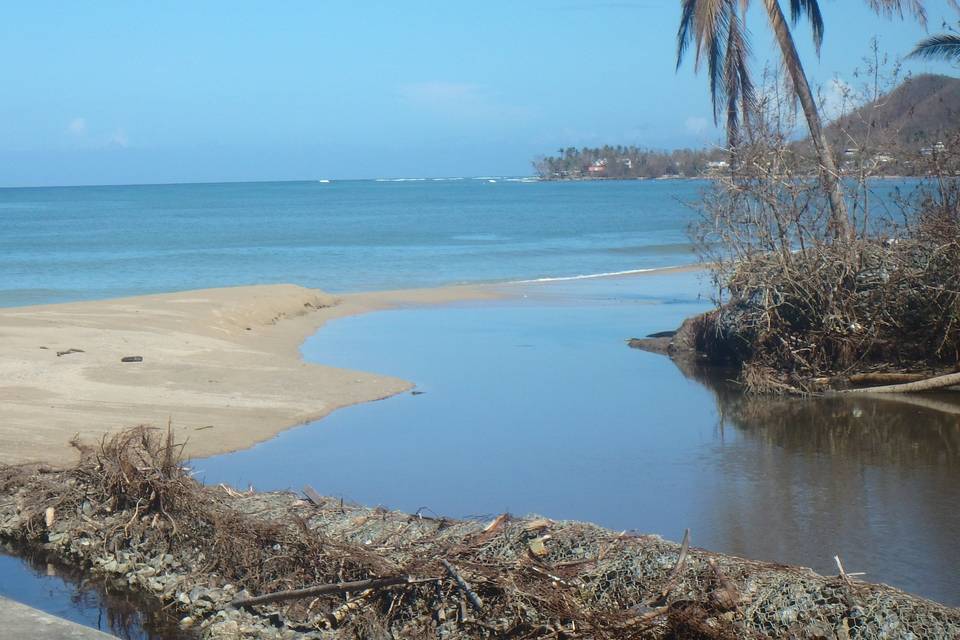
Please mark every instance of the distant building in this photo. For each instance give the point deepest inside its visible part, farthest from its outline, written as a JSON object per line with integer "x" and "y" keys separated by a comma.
{"x": 718, "y": 164}
{"x": 598, "y": 166}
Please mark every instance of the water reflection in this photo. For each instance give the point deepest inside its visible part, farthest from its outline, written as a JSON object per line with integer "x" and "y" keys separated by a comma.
{"x": 535, "y": 405}
{"x": 43, "y": 582}
{"x": 873, "y": 479}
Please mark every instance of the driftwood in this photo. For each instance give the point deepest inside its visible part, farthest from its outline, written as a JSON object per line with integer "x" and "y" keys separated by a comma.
{"x": 927, "y": 384}
{"x": 474, "y": 599}
{"x": 886, "y": 378}
{"x": 313, "y": 496}
{"x": 323, "y": 589}
{"x": 726, "y": 597}
{"x": 661, "y": 598}
{"x": 274, "y": 542}
{"x": 336, "y": 617}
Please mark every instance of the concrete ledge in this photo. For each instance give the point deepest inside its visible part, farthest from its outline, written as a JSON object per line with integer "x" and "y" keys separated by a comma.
{"x": 20, "y": 621}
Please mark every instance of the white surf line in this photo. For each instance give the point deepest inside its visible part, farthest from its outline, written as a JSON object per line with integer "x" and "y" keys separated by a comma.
{"x": 592, "y": 276}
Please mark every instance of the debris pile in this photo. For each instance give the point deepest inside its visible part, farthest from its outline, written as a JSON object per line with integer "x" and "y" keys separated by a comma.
{"x": 277, "y": 565}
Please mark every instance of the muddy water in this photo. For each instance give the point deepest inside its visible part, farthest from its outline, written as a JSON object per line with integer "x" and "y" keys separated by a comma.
{"x": 536, "y": 405}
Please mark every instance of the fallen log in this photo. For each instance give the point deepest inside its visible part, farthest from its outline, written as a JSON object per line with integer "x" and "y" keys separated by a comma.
{"x": 927, "y": 384}
{"x": 323, "y": 589}
{"x": 886, "y": 378}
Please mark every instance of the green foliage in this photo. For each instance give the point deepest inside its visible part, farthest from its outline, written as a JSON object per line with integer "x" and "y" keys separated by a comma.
{"x": 620, "y": 162}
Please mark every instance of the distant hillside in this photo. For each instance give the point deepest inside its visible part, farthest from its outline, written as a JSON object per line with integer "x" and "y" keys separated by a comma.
{"x": 920, "y": 112}
{"x": 888, "y": 136}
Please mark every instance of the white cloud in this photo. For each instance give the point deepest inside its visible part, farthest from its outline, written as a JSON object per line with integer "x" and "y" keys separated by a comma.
{"x": 838, "y": 98}
{"x": 696, "y": 124}
{"x": 78, "y": 126}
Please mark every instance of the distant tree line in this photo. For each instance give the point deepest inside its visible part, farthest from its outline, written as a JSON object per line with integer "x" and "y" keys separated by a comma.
{"x": 620, "y": 162}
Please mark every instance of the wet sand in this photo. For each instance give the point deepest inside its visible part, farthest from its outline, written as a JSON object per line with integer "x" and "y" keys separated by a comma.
{"x": 222, "y": 365}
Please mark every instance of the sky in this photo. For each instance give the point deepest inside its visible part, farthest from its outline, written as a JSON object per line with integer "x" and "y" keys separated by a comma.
{"x": 135, "y": 91}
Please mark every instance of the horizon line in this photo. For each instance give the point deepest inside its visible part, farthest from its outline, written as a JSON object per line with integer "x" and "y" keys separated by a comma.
{"x": 281, "y": 181}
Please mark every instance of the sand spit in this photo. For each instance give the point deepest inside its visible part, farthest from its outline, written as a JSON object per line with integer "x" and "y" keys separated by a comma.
{"x": 222, "y": 364}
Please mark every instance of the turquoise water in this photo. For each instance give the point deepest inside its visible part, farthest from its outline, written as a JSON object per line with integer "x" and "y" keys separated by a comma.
{"x": 61, "y": 244}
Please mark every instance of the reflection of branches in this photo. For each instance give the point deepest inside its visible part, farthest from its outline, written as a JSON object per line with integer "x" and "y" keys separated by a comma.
{"x": 128, "y": 615}
{"x": 906, "y": 429}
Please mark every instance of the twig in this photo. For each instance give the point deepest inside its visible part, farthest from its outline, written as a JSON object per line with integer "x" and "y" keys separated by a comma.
{"x": 474, "y": 599}
{"x": 338, "y": 587}
{"x": 843, "y": 573}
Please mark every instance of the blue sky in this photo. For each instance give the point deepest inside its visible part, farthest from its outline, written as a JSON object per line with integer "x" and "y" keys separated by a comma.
{"x": 135, "y": 91}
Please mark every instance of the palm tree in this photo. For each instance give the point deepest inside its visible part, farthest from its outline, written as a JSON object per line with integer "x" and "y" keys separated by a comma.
{"x": 717, "y": 29}
{"x": 942, "y": 45}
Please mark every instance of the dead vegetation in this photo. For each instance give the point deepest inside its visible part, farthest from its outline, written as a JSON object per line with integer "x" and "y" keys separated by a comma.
{"x": 335, "y": 570}
{"x": 801, "y": 309}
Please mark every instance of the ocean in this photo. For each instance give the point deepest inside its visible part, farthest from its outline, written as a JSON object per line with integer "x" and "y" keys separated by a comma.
{"x": 87, "y": 243}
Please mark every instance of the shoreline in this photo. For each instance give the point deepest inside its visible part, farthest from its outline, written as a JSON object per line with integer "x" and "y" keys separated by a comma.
{"x": 234, "y": 534}
{"x": 223, "y": 365}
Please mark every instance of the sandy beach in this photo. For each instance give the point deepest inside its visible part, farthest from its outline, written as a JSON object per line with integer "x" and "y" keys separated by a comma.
{"x": 222, "y": 365}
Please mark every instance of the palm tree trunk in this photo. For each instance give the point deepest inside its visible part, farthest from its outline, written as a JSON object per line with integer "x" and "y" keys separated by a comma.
{"x": 839, "y": 220}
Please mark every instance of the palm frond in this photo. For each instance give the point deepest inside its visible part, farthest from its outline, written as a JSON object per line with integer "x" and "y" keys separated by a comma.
{"x": 704, "y": 24}
{"x": 945, "y": 46}
{"x": 810, "y": 8}
{"x": 738, "y": 86}
{"x": 900, "y": 8}
{"x": 685, "y": 34}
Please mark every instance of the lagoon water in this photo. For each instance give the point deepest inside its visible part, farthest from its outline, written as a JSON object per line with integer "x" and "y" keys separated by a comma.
{"x": 531, "y": 404}
{"x": 535, "y": 404}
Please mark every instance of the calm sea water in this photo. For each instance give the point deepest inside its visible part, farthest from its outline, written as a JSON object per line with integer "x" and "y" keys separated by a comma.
{"x": 65, "y": 244}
